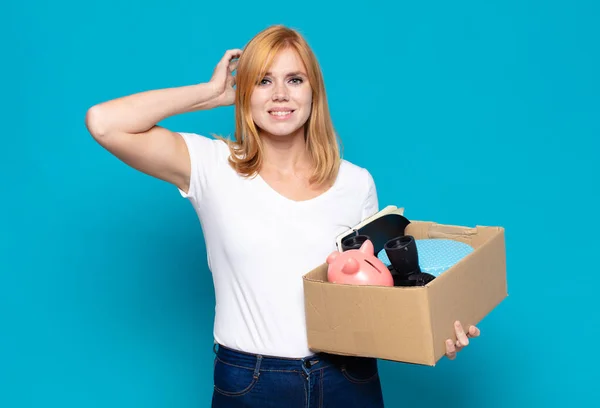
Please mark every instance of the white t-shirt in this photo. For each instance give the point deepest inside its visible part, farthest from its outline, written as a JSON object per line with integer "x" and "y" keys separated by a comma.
{"x": 259, "y": 245}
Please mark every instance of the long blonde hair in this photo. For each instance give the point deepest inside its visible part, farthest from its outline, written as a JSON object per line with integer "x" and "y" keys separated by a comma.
{"x": 321, "y": 140}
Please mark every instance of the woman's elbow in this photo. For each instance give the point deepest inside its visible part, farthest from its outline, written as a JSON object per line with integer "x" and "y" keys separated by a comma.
{"x": 94, "y": 122}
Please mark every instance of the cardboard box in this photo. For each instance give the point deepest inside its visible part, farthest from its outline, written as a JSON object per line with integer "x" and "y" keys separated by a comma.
{"x": 408, "y": 324}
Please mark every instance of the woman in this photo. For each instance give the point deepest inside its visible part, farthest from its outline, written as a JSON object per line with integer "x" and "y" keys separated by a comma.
{"x": 271, "y": 203}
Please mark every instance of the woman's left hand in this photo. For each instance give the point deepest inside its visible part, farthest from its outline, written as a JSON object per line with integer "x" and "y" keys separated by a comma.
{"x": 462, "y": 339}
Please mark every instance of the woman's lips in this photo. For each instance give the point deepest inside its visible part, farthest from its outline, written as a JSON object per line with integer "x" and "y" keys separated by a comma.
{"x": 281, "y": 114}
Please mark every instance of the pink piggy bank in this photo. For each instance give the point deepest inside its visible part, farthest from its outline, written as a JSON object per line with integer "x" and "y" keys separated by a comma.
{"x": 358, "y": 267}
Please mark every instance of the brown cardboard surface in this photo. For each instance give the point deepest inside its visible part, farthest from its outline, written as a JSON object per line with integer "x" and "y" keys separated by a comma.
{"x": 409, "y": 324}
{"x": 476, "y": 285}
{"x": 366, "y": 320}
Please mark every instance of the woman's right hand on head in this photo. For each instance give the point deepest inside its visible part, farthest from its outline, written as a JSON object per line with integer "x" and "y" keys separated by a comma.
{"x": 223, "y": 79}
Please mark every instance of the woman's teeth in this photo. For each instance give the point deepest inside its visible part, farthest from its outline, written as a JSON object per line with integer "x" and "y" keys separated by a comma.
{"x": 280, "y": 113}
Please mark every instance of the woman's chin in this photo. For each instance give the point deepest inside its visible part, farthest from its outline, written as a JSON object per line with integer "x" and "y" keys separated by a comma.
{"x": 282, "y": 131}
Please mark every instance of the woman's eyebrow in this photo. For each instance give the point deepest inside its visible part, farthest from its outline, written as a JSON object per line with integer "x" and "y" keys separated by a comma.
{"x": 295, "y": 73}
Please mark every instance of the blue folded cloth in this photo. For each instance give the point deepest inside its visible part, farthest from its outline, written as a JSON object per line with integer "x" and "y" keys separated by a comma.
{"x": 436, "y": 255}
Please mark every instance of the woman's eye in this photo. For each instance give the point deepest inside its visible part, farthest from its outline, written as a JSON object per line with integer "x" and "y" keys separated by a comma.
{"x": 295, "y": 81}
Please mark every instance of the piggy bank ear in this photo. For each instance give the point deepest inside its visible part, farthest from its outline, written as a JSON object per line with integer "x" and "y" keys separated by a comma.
{"x": 351, "y": 266}
{"x": 332, "y": 257}
{"x": 367, "y": 248}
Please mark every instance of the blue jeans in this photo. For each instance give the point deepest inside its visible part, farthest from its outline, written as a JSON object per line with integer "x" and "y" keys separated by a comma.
{"x": 320, "y": 381}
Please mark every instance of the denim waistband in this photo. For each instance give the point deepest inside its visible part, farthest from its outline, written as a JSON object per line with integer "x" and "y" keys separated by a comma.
{"x": 273, "y": 363}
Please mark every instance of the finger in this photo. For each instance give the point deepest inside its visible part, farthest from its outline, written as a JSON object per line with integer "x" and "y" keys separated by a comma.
{"x": 232, "y": 54}
{"x": 233, "y": 65}
{"x": 460, "y": 334}
{"x": 473, "y": 332}
{"x": 236, "y": 51}
{"x": 223, "y": 67}
{"x": 231, "y": 81}
{"x": 450, "y": 349}
{"x": 228, "y": 56}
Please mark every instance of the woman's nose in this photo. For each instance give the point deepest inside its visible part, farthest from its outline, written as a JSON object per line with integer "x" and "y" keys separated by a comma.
{"x": 280, "y": 93}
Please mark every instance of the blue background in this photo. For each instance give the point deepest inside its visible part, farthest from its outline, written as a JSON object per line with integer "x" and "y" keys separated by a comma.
{"x": 465, "y": 113}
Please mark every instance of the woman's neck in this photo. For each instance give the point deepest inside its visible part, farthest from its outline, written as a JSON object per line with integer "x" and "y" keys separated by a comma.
{"x": 286, "y": 154}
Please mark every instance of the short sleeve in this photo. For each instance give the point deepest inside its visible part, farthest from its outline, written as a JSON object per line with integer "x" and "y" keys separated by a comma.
{"x": 206, "y": 157}
{"x": 371, "y": 202}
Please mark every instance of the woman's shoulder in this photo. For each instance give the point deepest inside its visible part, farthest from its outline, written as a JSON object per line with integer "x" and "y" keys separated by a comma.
{"x": 200, "y": 145}
{"x": 201, "y": 139}
{"x": 352, "y": 173}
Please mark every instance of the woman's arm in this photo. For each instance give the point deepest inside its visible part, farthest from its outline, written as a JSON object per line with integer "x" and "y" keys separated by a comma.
{"x": 127, "y": 126}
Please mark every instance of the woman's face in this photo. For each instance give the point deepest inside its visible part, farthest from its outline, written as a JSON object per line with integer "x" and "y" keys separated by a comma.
{"x": 281, "y": 103}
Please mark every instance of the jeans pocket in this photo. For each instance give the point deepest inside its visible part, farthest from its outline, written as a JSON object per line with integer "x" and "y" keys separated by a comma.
{"x": 360, "y": 370}
{"x": 233, "y": 380}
